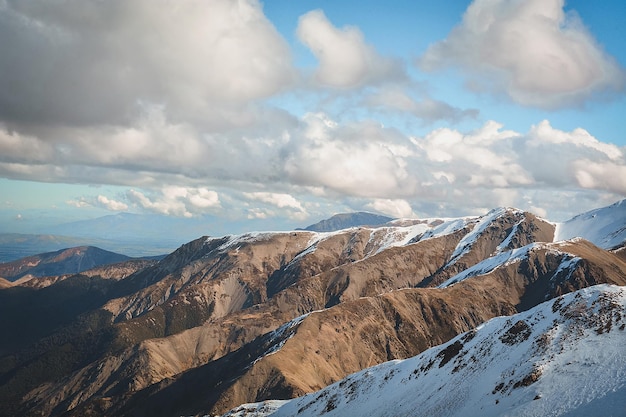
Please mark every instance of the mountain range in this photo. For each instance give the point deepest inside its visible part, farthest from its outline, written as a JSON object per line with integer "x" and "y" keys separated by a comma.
{"x": 273, "y": 316}
{"x": 146, "y": 235}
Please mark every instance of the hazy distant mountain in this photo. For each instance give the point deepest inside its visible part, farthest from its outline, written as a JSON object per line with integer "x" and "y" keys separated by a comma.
{"x": 346, "y": 220}
{"x": 131, "y": 227}
{"x": 64, "y": 261}
{"x": 265, "y": 316}
{"x": 14, "y": 246}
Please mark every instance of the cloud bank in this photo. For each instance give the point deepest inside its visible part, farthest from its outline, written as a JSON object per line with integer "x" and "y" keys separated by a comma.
{"x": 177, "y": 104}
{"x": 92, "y": 62}
{"x": 531, "y": 50}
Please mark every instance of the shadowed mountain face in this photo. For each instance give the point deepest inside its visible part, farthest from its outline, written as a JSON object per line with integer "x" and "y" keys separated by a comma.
{"x": 64, "y": 261}
{"x": 232, "y": 320}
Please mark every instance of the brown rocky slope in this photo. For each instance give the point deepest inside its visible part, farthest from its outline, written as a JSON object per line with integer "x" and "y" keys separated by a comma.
{"x": 212, "y": 325}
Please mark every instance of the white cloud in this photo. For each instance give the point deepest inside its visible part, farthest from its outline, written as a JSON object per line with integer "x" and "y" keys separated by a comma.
{"x": 82, "y": 202}
{"x": 543, "y": 133}
{"x": 258, "y": 213}
{"x": 345, "y": 59}
{"x": 293, "y": 209}
{"x": 427, "y": 109}
{"x": 606, "y": 175}
{"x": 177, "y": 201}
{"x": 486, "y": 157}
{"x": 203, "y": 198}
{"x": 361, "y": 159}
{"x": 530, "y": 49}
{"x": 395, "y": 208}
{"x": 160, "y": 205}
{"x": 99, "y": 61}
{"x": 280, "y": 200}
{"x": 111, "y": 204}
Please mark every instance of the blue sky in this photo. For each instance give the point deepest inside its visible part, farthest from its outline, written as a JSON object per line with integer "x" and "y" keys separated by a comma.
{"x": 286, "y": 112}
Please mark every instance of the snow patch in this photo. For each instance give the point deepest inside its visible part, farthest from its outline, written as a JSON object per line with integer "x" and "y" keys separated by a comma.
{"x": 389, "y": 237}
{"x": 469, "y": 239}
{"x": 237, "y": 240}
{"x": 447, "y": 227}
{"x": 262, "y": 409}
{"x": 492, "y": 263}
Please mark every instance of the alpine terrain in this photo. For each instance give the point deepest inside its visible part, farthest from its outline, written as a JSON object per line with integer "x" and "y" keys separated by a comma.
{"x": 501, "y": 314}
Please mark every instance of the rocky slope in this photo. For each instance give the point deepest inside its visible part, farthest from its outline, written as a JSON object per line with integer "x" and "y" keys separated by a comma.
{"x": 224, "y": 321}
{"x": 561, "y": 358}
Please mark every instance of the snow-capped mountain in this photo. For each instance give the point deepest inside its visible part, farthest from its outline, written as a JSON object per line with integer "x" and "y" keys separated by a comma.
{"x": 605, "y": 227}
{"x": 229, "y": 320}
{"x": 564, "y": 357}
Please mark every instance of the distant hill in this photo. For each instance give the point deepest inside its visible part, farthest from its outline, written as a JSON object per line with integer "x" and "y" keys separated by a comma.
{"x": 64, "y": 261}
{"x": 129, "y": 227}
{"x": 17, "y": 245}
{"x": 347, "y": 220}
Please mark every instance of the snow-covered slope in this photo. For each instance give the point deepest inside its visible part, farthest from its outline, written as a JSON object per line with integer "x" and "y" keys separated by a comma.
{"x": 605, "y": 227}
{"x": 503, "y": 259}
{"x": 564, "y": 357}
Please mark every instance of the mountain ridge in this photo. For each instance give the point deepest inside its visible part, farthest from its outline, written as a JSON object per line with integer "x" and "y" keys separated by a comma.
{"x": 156, "y": 340}
{"x": 530, "y": 363}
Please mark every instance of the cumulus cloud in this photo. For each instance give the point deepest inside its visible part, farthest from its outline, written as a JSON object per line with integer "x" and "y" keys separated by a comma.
{"x": 176, "y": 201}
{"x": 484, "y": 158}
{"x": 487, "y": 167}
{"x": 531, "y": 50}
{"x": 345, "y": 59}
{"x": 82, "y": 202}
{"x": 280, "y": 200}
{"x": 93, "y": 62}
{"x": 397, "y": 208}
{"x": 111, "y": 204}
{"x": 292, "y": 207}
{"x": 361, "y": 159}
{"x": 544, "y": 133}
{"x": 544, "y": 158}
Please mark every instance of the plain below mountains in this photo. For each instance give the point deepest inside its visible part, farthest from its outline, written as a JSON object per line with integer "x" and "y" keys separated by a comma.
{"x": 262, "y": 317}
